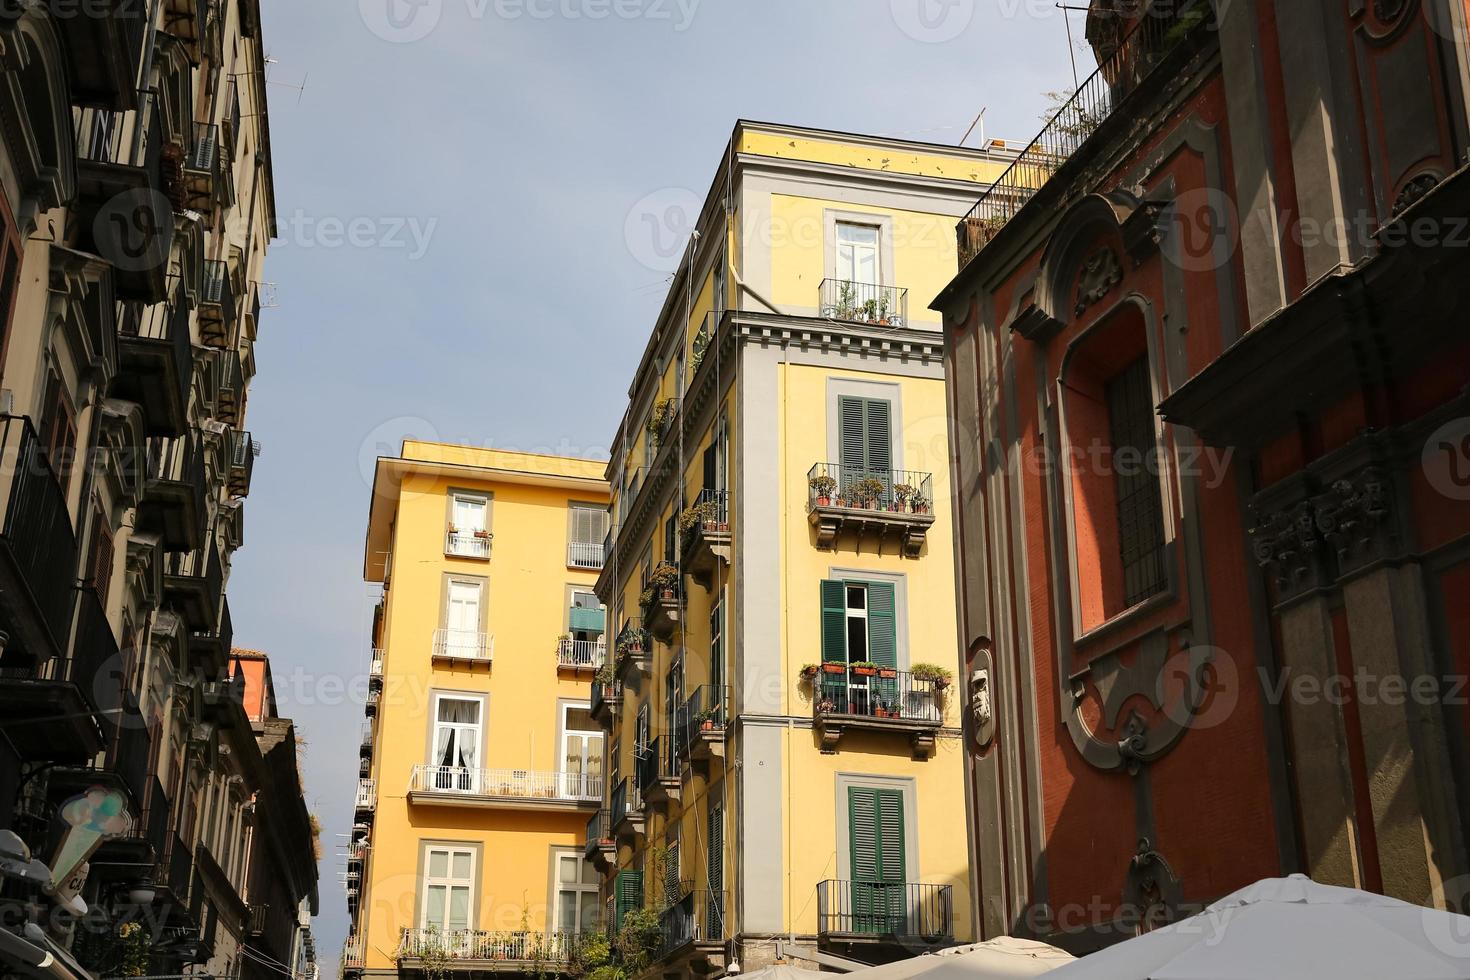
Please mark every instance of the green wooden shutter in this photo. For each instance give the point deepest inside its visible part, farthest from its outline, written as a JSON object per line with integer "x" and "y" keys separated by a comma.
{"x": 875, "y": 829}
{"x": 717, "y": 647}
{"x": 882, "y": 625}
{"x": 834, "y": 621}
{"x": 879, "y": 439}
{"x": 715, "y": 873}
{"x": 852, "y": 440}
{"x": 628, "y": 894}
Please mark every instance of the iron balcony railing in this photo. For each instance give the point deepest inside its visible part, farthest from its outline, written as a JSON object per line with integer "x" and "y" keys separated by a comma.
{"x": 467, "y": 543}
{"x": 878, "y": 692}
{"x": 469, "y": 645}
{"x": 367, "y": 738}
{"x": 94, "y": 667}
{"x": 703, "y": 710}
{"x": 515, "y": 784}
{"x": 585, "y": 554}
{"x": 581, "y": 653}
{"x": 711, "y": 512}
{"x": 602, "y": 692}
{"x": 367, "y": 794}
{"x": 899, "y": 910}
{"x": 1133, "y": 58}
{"x": 626, "y": 798}
{"x": 175, "y": 868}
{"x": 216, "y": 304}
{"x": 659, "y": 760}
{"x": 476, "y": 945}
{"x": 243, "y": 451}
{"x": 697, "y": 917}
{"x": 599, "y": 829}
{"x": 37, "y": 537}
{"x": 154, "y": 343}
{"x": 860, "y": 488}
{"x": 864, "y": 302}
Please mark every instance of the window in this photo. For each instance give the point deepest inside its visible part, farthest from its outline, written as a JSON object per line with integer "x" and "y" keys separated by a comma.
{"x": 715, "y": 825}
{"x": 576, "y": 894}
{"x": 857, "y": 252}
{"x": 627, "y": 894}
{"x": 859, "y": 625}
{"x": 455, "y": 753}
{"x": 586, "y": 621}
{"x": 864, "y": 441}
{"x": 462, "y": 636}
{"x": 449, "y": 881}
{"x": 641, "y": 735}
{"x": 673, "y": 889}
{"x": 581, "y": 752}
{"x": 468, "y": 534}
{"x": 58, "y": 430}
{"x": 588, "y": 526}
{"x": 99, "y": 560}
{"x": 1140, "y": 508}
{"x": 717, "y": 647}
{"x": 876, "y": 847}
{"x": 10, "y": 256}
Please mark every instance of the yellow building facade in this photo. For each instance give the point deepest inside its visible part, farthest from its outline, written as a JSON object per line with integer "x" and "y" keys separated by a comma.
{"x": 480, "y": 763}
{"x": 785, "y": 762}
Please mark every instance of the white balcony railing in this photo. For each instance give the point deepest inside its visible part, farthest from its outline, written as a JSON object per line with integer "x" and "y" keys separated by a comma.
{"x": 581, "y": 653}
{"x": 584, "y": 554}
{"x": 464, "y": 645}
{"x": 353, "y": 952}
{"x": 474, "y": 944}
{"x": 467, "y": 544}
{"x": 367, "y": 793}
{"x": 513, "y": 784}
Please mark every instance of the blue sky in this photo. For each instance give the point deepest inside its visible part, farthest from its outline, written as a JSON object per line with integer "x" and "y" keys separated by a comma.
{"x": 465, "y": 189}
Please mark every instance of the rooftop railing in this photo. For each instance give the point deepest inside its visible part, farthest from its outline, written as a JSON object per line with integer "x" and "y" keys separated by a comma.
{"x": 864, "y": 302}
{"x": 1134, "y": 57}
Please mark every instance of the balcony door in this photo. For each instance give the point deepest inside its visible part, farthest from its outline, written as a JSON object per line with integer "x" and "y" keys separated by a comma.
{"x": 876, "y": 832}
{"x": 857, "y": 254}
{"x": 859, "y": 625}
{"x": 467, "y": 513}
{"x": 865, "y": 446}
{"x": 581, "y": 752}
{"x": 449, "y": 881}
{"x": 462, "y": 619}
{"x": 577, "y": 908}
{"x": 458, "y": 726}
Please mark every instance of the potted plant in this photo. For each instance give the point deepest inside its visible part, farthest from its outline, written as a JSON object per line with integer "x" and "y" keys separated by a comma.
{"x": 663, "y": 580}
{"x": 452, "y": 529}
{"x": 868, "y": 490}
{"x": 870, "y": 310}
{"x": 483, "y": 535}
{"x": 834, "y": 668}
{"x": 883, "y": 308}
{"x": 864, "y": 668}
{"x": 904, "y": 493}
{"x": 942, "y": 677}
{"x": 826, "y": 706}
{"x": 846, "y": 301}
{"x": 707, "y": 719}
{"x": 888, "y": 673}
{"x": 920, "y": 504}
{"x": 604, "y": 676}
{"x": 809, "y": 671}
{"x": 822, "y": 488}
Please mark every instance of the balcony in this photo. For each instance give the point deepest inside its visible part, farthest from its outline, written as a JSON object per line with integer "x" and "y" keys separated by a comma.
{"x": 693, "y": 932}
{"x": 467, "y": 543}
{"x": 38, "y": 549}
{"x": 185, "y": 20}
{"x": 175, "y": 870}
{"x": 224, "y": 703}
{"x": 193, "y": 584}
{"x": 580, "y": 654}
{"x": 876, "y": 699}
{"x": 213, "y": 648}
{"x": 601, "y": 847}
{"x": 701, "y": 724}
{"x": 104, "y": 44}
{"x": 886, "y": 504}
{"x": 865, "y": 912}
{"x": 354, "y": 953}
{"x": 1155, "y": 47}
{"x": 229, "y": 401}
{"x": 588, "y": 555}
{"x": 375, "y": 665}
{"x": 374, "y": 698}
{"x": 662, "y": 602}
{"x": 626, "y": 810}
{"x": 864, "y": 302}
{"x": 658, "y": 773}
{"x": 706, "y": 529}
{"x": 173, "y": 504}
{"x": 365, "y": 748}
{"x": 607, "y": 699}
{"x": 367, "y": 799}
{"x": 216, "y": 305}
{"x": 54, "y": 698}
{"x": 156, "y": 363}
{"x": 243, "y": 450}
{"x": 203, "y": 169}
{"x": 504, "y": 788}
{"x": 120, "y": 209}
{"x": 476, "y": 951}
{"x": 469, "y": 647}
{"x": 634, "y": 651}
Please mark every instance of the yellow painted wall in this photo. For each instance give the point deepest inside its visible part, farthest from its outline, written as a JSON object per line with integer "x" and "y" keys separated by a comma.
{"x": 924, "y": 251}
{"x": 926, "y": 162}
{"x": 527, "y": 605}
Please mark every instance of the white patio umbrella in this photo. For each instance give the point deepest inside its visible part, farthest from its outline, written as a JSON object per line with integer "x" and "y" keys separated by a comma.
{"x": 1292, "y": 929}
{"x": 998, "y": 959}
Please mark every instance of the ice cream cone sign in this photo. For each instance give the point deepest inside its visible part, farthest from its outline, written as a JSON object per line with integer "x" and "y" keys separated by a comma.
{"x": 96, "y": 815}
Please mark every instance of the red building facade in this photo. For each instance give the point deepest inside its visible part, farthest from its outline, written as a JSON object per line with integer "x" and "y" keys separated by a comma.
{"x": 1208, "y": 356}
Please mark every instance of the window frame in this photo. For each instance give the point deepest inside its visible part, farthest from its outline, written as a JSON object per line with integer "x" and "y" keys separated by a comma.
{"x": 450, "y": 848}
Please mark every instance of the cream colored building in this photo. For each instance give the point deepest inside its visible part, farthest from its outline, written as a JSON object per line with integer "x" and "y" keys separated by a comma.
{"x": 785, "y": 759}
